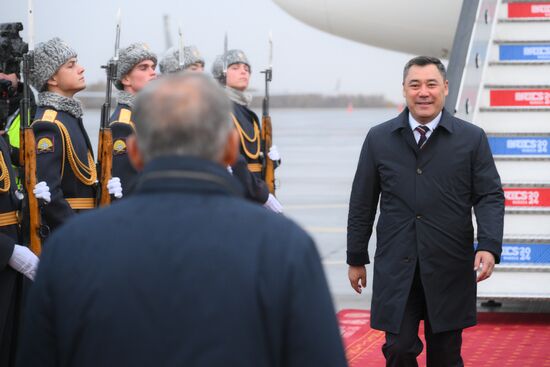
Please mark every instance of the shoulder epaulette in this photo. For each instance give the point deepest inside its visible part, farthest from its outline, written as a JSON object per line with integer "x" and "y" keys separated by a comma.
{"x": 49, "y": 116}
{"x": 124, "y": 117}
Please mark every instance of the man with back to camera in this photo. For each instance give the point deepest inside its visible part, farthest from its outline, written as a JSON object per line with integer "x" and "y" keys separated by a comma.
{"x": 429, "y": 170}
{"x": 185, "y": 282}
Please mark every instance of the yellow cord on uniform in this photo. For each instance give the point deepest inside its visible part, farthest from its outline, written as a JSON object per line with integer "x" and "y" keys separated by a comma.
{"x": 86, "y": 174}
{"x": 5, "y": 176}
{"x": 244, "y": 136}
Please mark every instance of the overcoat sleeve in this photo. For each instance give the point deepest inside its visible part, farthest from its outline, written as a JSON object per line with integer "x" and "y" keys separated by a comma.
{"x": 488, "y": 200}
{"x": 363, "y": 204}
{"x": 38, "y": 344}
{"x": 312, "y": 337}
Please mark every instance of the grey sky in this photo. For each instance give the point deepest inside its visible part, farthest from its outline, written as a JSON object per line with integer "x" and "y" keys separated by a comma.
{"x": 305, "y": 59}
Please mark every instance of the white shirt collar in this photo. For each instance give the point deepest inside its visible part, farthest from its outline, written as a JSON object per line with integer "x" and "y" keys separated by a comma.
{"x": 432, "y": 124}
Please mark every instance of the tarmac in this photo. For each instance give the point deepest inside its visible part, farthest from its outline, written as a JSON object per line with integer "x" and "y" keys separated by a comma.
{"x": 320, "y": 150}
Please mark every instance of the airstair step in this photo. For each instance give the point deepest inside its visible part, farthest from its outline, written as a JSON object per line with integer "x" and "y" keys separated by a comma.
{"x": 516, "y": 109}
{"x": 524, "y": 20}
{"x": 535, "y": 170}
{"x": 513, "y": 53}
{"x": 523, "y": 254}
{"x": 518, "y": 135}
{"x": 520, "y": 42}
{"x": 531, "y": 73}
{"x": 506, "y": 120}
{"x": 526, "y": 10}
{"x": 518, "y": 87}
{"x": 517, "y": 96}
{"x": 524, "y": 160}
{"x": 527, "y": 220}
{"x": 534, "y": 197}
{"x": 523, "y": 282}
{"x": 520, "y": 147}
{"x": 519, "y": 31}
{"x": 520, "y": 63}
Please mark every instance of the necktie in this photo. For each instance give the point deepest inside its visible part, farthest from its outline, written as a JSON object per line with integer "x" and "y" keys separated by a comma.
{"x": 423, "y": 130}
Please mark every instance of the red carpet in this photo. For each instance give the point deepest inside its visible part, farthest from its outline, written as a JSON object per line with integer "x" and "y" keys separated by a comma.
{"x": 499, "y": 340}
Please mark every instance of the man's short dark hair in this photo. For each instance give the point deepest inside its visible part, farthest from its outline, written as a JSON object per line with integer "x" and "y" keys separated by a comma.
{"x": 423, "y": 61}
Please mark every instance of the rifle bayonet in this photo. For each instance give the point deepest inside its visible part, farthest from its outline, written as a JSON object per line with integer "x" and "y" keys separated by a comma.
{"x": 181, "y": 53}
{"x": 117, "y": 36}
{"x": 225, "y": 45}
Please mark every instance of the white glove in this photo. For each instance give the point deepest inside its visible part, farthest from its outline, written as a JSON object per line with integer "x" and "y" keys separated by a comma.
{"x": 229, "y": 169}
{"x": 115, "y": 187}
{"x": 273, "y": 204}
{"x": 19, "y": 195}
{"x": 24, "y": 261}
{"x": 42, "y": 191}
{"x": 274, "y": 153}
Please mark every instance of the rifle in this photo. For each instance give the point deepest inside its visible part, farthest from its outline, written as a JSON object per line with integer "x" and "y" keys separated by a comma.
{"x": 105, "y": 143}
{"x": 268, "y": 168}
{"x": 27, "y": 152}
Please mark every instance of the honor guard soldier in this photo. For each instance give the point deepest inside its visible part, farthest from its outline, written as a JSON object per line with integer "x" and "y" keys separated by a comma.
{"x": 136, "y": 68}
{"x": 64, "y": 158}
{"x": 17, "y": 262}
{"x": 192, "y": 60}
{"x": 249, "y": 166}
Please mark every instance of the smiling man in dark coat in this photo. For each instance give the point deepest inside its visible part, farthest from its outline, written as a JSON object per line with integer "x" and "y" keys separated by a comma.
{"x": 186, "y": 281}
{"x": 429, "y": 170}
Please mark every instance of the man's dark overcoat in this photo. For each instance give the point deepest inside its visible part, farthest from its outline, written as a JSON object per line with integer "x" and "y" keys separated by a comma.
{"x": 177, "y": 275}
{"x": 426, "y": 199}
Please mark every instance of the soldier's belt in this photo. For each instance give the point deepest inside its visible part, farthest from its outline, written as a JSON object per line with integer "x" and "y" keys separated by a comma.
{"x": 255, "y": 167}
{"x": 9, "y": 218}
{"x": 81, "y": 203}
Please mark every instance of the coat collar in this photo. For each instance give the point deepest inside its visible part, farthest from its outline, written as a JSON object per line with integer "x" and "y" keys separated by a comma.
{"x": 184, "y": 173}
{"x": 402, "y": 121}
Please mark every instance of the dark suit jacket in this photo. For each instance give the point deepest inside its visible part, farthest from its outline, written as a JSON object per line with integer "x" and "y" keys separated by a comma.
{"x": 426, "y": 200}
{"x": 182, "y": 273}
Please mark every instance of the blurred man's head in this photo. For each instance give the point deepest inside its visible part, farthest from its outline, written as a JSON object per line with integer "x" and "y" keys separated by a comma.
{"x": 183, "y": 114}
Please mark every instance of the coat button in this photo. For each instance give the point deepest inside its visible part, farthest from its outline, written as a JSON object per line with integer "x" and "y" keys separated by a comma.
{"x": 418, "y": 216}
{"x": 407, "y": 260}
{"x": 419, "y": 171}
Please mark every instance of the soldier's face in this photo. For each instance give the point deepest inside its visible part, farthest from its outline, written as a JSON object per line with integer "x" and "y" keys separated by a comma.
{"x": 139, "y": 76}
{"x": 69, "y": 79}
{"x": 425, "y": 90}
{"x": 238, "y": 76}
{"x": 195, "y": 67}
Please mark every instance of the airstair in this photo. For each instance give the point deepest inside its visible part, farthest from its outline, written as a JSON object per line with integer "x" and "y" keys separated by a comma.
{"x": 505, "y": 89}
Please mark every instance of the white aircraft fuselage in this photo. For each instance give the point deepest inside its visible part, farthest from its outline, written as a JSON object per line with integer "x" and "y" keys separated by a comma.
{"x": 424, "y": 27}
